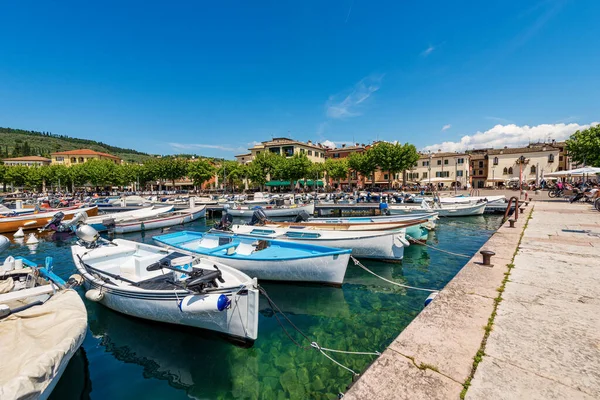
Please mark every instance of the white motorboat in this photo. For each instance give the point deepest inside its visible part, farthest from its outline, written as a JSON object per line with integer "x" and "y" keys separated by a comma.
{"x": 42, "y": 325}
{"x": 386, "y": 245}
{"x": 163, "y": 220}
{"x": 153, "y": 283}
{"x": 276, "y": 260}
{"x": 443, "y": 210}
{"x": 107, "y": 221}
{"x": 273, "y": 211}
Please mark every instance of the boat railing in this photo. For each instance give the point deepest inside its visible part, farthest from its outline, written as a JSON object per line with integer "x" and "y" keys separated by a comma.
{"x": 474, "y": 192}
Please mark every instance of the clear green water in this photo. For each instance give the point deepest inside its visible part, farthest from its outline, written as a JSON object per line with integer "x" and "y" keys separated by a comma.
{"x": 125, "y": 358}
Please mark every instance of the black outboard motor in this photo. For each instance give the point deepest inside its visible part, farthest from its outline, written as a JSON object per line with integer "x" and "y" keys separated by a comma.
{"x": 258, "y": 217}
{"x": 54, "y": 223}
{"x": 302, "y": 216}
{"x": 225, "y": 223}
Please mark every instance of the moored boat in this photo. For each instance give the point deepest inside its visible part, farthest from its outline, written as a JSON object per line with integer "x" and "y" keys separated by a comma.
{"x": 384, "y": 245}
{"x": 43, "y": 323}
{"x": 107, "y": 221}
{"x": 39, "y": 220}
{"x": 272, "y": 211}
{"x": 266, "y": 259}
{"x": 167, "y": 286}
{"x": 163, "y": 220}
{"x": 4, "y": 243}
{"x": 443, "y": 210}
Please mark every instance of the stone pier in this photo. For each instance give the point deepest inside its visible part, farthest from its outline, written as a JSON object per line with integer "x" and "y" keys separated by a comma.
{"x": 544, "y": 328}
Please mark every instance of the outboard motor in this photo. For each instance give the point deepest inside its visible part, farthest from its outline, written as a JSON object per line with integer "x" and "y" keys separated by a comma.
{"x": 77, "y": 219}
{"x": 302, "y": 216}
{"x": 258, "y": 217}
{"x": 88, "y": 236}
{"x": 55, "y": 222}
{"x": 225, "y": 223}
{"x": 383, "y": 207}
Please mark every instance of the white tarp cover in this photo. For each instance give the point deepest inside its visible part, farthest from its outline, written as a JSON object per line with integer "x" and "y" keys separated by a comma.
{"x": 36, "y": 343}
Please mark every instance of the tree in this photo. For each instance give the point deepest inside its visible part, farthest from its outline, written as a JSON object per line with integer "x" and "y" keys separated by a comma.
{"x": 261, "y": 168}
{"x": 337, "y": 168}
{"x": 295, "y": 168}
{"x": 2, "y": 176}
{"x": 16, "y": 175}
{"x": 101, "y": 172}
{"x": 77, "y": 175}
{"x": 394, "y": 157}
{"x": 200, "y": 171}
{"x": 231, "y": 171}
{"x": 315, "y": 172}
{"x": 584, "y": 146}
{"x": 363, "y": 164}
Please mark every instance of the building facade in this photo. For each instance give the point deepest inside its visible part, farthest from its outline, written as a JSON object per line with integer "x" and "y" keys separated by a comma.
{"x": 528, "y": 164}
{"x": 479, "y": 169}
{"x": 441, "y": 169}
{"x": 285, "y": 147}
{"x": 28, "y": 161}
{"x": 73, "y": 157}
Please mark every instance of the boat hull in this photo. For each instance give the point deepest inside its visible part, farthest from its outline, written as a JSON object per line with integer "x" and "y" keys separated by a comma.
{"x": 272, "y": 212}
{"x": 39, "y": 220}
{"x": 157, "y": 223}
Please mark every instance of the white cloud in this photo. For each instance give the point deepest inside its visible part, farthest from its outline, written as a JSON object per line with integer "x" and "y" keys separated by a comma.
{"x": 428, "y": 50}
{"x": 348, "y": 104}
{"x": 329, "y": 143}
{"x": 446, "y": 127}
{"x": 510, "y": 135}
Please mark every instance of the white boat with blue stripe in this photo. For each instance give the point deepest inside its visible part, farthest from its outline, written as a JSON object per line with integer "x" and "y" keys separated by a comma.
{"x": 263, "y": 258}
{"x": 153, "y": 283}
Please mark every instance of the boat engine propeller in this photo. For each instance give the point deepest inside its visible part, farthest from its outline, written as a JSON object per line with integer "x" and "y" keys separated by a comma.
{"x": 302, "y": 216}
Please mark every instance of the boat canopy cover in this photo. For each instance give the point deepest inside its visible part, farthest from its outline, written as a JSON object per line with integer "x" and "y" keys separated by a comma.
{"x": 36, "y": 341}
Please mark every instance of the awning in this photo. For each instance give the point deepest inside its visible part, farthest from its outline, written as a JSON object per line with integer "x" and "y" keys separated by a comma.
{"x": 278, "y": 183}
{"x": 577, "y": 172}
{"x": 437, "y": 180}
{"x": 310, "y": 182}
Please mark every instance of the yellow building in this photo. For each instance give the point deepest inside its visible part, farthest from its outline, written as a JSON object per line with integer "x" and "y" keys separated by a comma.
{"x": 528, "y": 164}
{"x": 442, "y": 169}
{"x": 286, "y": 147}
{"x": 72, "y": 157}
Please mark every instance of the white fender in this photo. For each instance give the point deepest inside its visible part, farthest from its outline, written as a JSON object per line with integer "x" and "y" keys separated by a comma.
{"x": 19, "y": 233}
{"x": 200, "y": 303}
{"x": 32, "y": 239}
{"x": 94, "y": 295}
{"x": 400, "y": 241}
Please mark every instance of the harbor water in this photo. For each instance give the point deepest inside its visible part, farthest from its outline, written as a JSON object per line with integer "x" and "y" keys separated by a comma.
{"x": 124, "y": 358}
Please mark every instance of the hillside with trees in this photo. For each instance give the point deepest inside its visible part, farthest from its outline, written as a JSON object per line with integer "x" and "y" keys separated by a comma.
{"x": 19, "y": 142}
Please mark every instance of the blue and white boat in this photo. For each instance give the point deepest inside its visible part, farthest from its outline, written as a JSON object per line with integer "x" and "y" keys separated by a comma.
{"x": 265, "y": 258}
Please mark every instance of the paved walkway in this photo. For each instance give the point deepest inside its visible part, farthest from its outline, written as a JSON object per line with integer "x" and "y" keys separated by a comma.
{"x": 545, "y": 343}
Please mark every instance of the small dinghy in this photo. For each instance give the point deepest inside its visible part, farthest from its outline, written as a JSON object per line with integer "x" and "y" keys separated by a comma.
{"x": 272, "y": 211}
{"x": 42, "y": 324}
{"x": 150, "y": 282}
{"x": 164, "y": 220}
{"x": 4, "y": 243}
{"x": 265, "y": 259}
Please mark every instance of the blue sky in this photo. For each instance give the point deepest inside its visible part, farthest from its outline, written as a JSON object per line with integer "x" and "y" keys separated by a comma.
{"x": 213, "y": 77}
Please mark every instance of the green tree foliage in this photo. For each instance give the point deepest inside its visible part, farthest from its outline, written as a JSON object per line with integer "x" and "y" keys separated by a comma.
{"x": 200, "y": 171}
{"x": 337, "y": 169}
{"x": 261, "y": 167}
{"x": 295, "y": 168}
{"x": 101, "y": 173}
{"x": 363, "y": 164}
{"x": 231, "y": 172}
{"x": 16, "y": 175}
{"x": 394, "y": 157}
{"x": 584, "y": 146}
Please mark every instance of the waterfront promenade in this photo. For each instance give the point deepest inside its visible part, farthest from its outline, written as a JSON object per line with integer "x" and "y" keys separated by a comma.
{"x": 535, "y": 335}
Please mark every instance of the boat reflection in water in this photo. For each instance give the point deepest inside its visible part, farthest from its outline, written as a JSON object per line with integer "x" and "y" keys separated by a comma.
{"x": 75, "y": 382}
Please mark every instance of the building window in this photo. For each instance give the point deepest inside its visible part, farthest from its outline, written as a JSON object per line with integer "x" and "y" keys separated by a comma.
{"x": 426, "y": 163}
{"x": 446, "y": 162}
{"x": 60, "y": 159}
{"x": 480, "y": 164}
{"x": 480, "y": 172}
{"x": 533, "y": 169}
{"x": 461, "y": 160}
{"x": 439, "y": 162}
{"x": 310, "y": 152}
{"x": 459, "y": 173}
{"x": 288, "y": 151}
{"x": 424, "y": 175}
{"x": 495, "y": 160}
{"x": 510, "y": 171}
{"x": 505, "y": 172}
{"x": 258, "y": 152}
{"x": 81, "y": 159}
{"x": 560, "y": 158}
{"x": 322, "y": 155}
{"x": 337, "y": 155}
{"x": 302, "y": 151}
{"x": 442, "y": 174}
{"x": 73, "y": 160}
{"x": 276, "y": 150}
{"x": 551, "y": 158}
{"x": 385, "y": 176}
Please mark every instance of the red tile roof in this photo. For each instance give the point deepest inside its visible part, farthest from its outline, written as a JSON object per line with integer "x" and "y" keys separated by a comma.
{"x": 28, "y": 158}
{"x": 84, "y": 152}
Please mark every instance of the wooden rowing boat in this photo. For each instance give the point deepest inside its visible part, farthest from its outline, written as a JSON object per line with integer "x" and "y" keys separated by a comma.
{"x": 39, "y": 220}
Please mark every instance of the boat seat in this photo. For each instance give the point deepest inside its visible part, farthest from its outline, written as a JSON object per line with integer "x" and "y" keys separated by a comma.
{"x": 245, "y": 249}
{"x": 209, "y": 243}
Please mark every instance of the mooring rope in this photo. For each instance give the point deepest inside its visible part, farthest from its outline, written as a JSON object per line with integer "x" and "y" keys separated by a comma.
{"x": 313, "y": 344}
{"x": 438, "y": 249}
{"x": 358, "y": 263}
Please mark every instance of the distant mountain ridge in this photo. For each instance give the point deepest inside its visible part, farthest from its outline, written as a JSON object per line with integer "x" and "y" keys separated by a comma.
{"x": 19, "y": 142}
